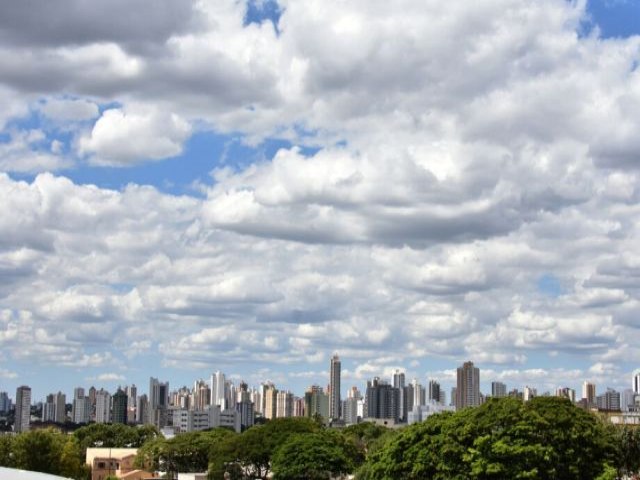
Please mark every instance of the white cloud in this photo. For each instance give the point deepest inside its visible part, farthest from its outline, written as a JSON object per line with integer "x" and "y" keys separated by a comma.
{"x": 66, "y": 109}
{"x": 126, "y": 137}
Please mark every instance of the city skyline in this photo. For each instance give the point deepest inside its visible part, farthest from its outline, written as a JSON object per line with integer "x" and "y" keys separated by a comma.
{"x": 468, "y": 373}
{"x": 250, "y": 186}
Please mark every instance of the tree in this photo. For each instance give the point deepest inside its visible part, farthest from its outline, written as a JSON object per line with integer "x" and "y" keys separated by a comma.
{"x": 547, "y": 438}
{"x": 252, "y": 451}
{"x": 72, "y": 461}
{"x": 313, "y": 456}
{"x": 6, "y": 451}
{"x": 39, "y": 451}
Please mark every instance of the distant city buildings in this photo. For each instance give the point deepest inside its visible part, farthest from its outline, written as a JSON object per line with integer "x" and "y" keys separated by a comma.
{"x": 220, "y": 402}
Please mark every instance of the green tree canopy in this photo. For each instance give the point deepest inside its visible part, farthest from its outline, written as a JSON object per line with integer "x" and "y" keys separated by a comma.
{"x": 547, "y": 438}
{"x": 312, "y": 456}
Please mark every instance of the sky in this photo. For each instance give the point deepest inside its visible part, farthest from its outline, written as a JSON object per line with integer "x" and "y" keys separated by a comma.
{"x": 190, "y": 185}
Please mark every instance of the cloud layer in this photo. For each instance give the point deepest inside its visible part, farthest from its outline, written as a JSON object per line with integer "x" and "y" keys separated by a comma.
{"x": 474, "y": 194}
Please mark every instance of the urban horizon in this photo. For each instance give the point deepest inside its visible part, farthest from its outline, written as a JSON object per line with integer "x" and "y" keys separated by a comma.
{"x": 485, "y": 385}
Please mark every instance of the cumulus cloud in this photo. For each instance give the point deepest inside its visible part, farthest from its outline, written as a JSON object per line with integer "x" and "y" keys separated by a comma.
{"x": 121, "y": 138}
{"x": 464, "y": 152}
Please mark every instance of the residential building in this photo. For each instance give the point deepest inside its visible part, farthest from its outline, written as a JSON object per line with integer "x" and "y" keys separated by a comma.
{"x": 103, "y": 406}
{"x": 23, "y": 409}
{"x": 284, "y": 404}
{"x": 5, "y": 403}
{"x": 609, "y": 401}
{"x": 498, "y": 389}
{"x": 382, "y": 400}
{"x": 334, "y": 388}
{"x": 60, "y": 407}
{"x": 467, "y": 386}
{"x": 434, "y": 392}
{"x": 528, "y": 393}
{"x": 120, "y": 405}
{"x": 316, "y": 402}
{"x": 132, "y": 399}
{"x": 49, "y": 409}
{"x": 81, "y": 407}
{"x": 589, "y": 392}
{"x": 271, "y": 402}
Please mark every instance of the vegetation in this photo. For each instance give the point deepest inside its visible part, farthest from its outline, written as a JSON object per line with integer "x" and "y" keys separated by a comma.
{"x": 546, "y": 438}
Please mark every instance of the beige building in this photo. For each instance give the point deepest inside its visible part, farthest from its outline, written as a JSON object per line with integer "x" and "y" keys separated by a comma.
{"x": 115, "y": 461}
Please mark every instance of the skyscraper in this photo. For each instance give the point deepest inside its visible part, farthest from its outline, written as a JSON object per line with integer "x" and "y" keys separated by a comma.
{"x": 81, "y": 407}
{"x": 399, "y": 383}
{"x": 636, "y": 382}
{"x": 23, "y": 409}
{"x": 434, "y": 391}
{"x": 103, "y": 406}
{"x": 589, "y": 393}
{"x": 158, "y": 402}
{"x": 498, "y": 389}
{"x": 120, "y": 403}
{"x": 60, "y": 403}
{"x": 468, "y": 386}
{"x": 5, "y": 402}
{"x": 334, "y": 382}
{"x": 218, "y": 396}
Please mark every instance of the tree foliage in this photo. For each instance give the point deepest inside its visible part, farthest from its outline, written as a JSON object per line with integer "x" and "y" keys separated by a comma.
{"x": 547, "y": 438}
{"x": 313, "y": 456}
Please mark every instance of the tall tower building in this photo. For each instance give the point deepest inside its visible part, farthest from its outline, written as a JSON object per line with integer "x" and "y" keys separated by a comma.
{"x": 218, "y": 396}
{"x": 5, "y": 402}
{"x": 434, "y": 391}
{"x": 49, "y": 409}
{"x": 399, "y": 383}
{"x": 467, "y": 386}
{"x": 23, "y": 409}
{"x": 81, "y": 407}
{"x": 158, "y": 402}
{"x": 636, "y": 382}
{"x": 334, "y": 382}
{"x": 60, "y": 405}
{"x": 103, "y": 406}
{"x": 120, "y": 406}
{"x": 589, "y": 392}
{"x": 132, "y": 398}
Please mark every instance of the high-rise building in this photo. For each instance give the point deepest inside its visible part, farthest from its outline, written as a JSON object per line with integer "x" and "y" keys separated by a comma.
{"x": 271, "y": 402}
{"x": 49, "y": 409}
{"x": 60, "y": 406}
{"x": 589, "y": 393}
{"x": 566, "y": 392}
{"x": 5, "y": 402}
{"x": 316, "y": 402}
{"x": 81, "y": 407}
{"x": 335, "y": 401}
{"x": 467, "y": 386}
{"x": 399, "y": 383}
{"x": 158, "y": 402}
{"x": 284, "y": 404}
{"x": 142, "y": 409}
{"x": 218, "y": 396}
{"x": 636, "y": 382}
{"x": 245, "y": 407}
{"x": 529, "y": 393}
{"x": 103, "y": 406}
{"x": 120, "y": 405}
{"x": 434, "y": 391}
{"x": 23, "y": 409}
{"x": 609, "y": 401}
{"x": 382, "y": 400}
{"x": 498, "y": 389}
{"x": 201, "y": 395}
{"x": 132, "y": 399}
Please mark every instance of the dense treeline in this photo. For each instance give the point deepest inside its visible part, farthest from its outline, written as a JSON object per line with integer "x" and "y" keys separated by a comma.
{"x": 546, "y": 438}
{"x": 50, "y": 451}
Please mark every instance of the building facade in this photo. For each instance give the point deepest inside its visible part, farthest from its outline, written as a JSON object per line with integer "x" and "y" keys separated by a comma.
{"x": 467, "y": 386}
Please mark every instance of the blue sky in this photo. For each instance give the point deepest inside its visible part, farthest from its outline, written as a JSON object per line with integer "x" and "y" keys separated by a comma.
{"x": 251, "y": 187}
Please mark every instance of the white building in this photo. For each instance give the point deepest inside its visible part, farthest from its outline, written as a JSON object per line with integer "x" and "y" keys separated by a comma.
{"x": 81, "y": 407}
{"x": 422, "y": 412}
{"x": 103, "y": 406}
